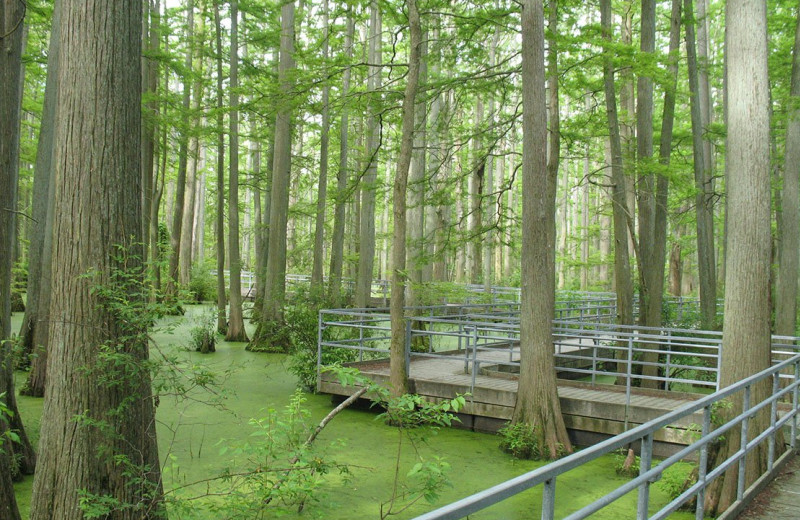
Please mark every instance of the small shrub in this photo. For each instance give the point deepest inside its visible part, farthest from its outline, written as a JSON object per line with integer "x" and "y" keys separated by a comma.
{"x": 626, "y": 464}
{"x": 677, "y": 479}
{"x": 521, "y": 440}
{"x": 17, "y": 305}
{"x": 203, "y": 334}
{"x": 203, "y": 285}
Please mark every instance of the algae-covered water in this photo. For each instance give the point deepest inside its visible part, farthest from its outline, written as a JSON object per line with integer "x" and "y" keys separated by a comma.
{"x": 193, "y": 433}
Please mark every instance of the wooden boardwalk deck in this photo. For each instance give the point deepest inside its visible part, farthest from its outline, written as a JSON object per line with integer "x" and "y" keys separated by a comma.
{"x": 591, "y": 412}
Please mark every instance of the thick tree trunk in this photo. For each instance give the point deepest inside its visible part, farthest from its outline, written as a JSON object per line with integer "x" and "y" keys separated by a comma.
{"x": 537, "y": 398}
{"x": 786, "y": 297}
{"x": 236, "y": 330}
{"x": 746, "y": 342}
{"x": 98, "y": 230}
{"x": 151, "y": 29}
{"x": 399, "y": 372}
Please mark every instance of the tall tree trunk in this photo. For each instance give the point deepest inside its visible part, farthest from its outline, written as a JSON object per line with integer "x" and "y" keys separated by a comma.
{"x": 399, "y": 372}
{"x": 704, "y": 199}
{"x": 319, "y": 224}
{"x": 219, "y": 229}
{"x": 236, "y": 330}
{"x": 366, "y": 250}
{"x": 11, "y": 20}
{"x": 337, "y": 237}
{"x": 746, "y": 344}
{"x": 622, "y": 264}
{"x": 786, "y": 298}
{"x": 275, "y": 285}
{"x": 537, "y": 397}
{"x": 33, "y": 334}
{"x": 97, "y": 411}
{"x": 476, "y": 190}
{"x": 415, "y": 257}
{"x": 151, "y": 41}
{"x": 183, "y": 152}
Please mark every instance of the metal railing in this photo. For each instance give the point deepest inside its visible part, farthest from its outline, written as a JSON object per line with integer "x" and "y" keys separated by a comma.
{"x": 737, "y": 428}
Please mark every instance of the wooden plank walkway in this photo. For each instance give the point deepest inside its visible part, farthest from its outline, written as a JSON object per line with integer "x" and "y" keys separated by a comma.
{"x": 591, "y": 412}
{"x": 781, "y": 499}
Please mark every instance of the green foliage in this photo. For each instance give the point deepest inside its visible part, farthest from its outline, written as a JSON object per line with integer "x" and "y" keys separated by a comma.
{"x": 524, "y": 441}
{"x": 626, "y": 464}
{"x": 414, "y": 418}
{"x": 5, "y": 414}
{"x": 676, "y": 479}
{"x": 203, "y": 335}
{"x": 203, "y": 285}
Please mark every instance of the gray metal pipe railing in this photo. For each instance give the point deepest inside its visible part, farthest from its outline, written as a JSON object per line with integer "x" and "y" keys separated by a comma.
{"x": 548, "y": 475}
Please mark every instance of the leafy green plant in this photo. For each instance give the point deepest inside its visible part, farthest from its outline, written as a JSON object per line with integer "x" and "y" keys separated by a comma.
{"x": 626, "y": 464}
{"x": 202, "y": 285}
{"x": 521, "y": 440}
{"x": 203, "y": 335}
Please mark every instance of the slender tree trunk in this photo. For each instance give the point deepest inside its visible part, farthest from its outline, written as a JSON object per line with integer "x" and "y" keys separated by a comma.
{"x": 268, "y": 333}
{"x": 236, "y": 331}
{"x": 622, "y": 265}
{"x": 219, "y": 229}
{"x": 95, "y": 410}
{"x": 746, "y": 343}
{"x": 786, "y": 298}
{"x": 337, "y": 237}
{"x": 537, "y": 397}
{"x": 704, "y": 198}
{"x": 319, "y": 224}
{"x": 11, "y": 20}
{"x": 183, "y": 152}
{"x": 415, "y": 257}
{"x": 399, "y": 372}
{"x": 476, "y": 190}
{"x": 151, "y": 41}
{"x": 366, "y": 250}
{"x": 33, "y": 334}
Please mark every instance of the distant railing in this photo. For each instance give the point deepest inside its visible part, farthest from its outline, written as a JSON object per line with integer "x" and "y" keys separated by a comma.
{"x": 737, "y": 429}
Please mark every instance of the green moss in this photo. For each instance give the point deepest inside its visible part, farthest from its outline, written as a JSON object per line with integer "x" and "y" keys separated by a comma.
{"x": 191, "y": 435}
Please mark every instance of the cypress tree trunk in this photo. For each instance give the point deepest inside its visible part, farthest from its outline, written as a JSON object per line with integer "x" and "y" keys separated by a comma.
{"x": 98, "y": 402}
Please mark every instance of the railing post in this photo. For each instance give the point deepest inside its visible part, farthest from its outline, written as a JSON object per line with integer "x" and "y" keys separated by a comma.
{"x": 795, "y": 405}
{"x": 645, "y": 462}
{"x": 702, "y": 469}
{"x": 361, "y": 337}
{"x": 474, "y": 358}
{"x": 549, "y": 499}
{"x": 408, "y": 347}
{"x": 319, "y": 346}
{"x": 743, "y": 444}
{"x": 773, "y": 417}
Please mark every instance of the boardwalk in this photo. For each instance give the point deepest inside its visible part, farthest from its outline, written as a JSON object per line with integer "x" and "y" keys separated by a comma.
{"x": 591, "y": 412}
{"x": 781, "y": 499}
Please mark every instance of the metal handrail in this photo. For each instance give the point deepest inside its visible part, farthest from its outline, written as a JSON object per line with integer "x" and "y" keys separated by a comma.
{"x": 548, "y": 475}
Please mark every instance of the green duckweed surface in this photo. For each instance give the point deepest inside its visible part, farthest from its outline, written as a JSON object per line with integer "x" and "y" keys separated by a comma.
{"x": 192, "y": 433}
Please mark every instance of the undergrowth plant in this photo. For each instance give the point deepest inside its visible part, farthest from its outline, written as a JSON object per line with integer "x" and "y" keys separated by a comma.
{"x": 521, "y": 440}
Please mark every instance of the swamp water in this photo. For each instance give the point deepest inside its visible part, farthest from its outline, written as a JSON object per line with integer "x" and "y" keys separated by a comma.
{"x": 192, "y": 434}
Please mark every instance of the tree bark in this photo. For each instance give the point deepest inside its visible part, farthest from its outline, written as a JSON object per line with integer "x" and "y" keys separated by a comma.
{"x": 337, "y": 237}
{"x": 173, "y": 278}
{"x": 706, "y": 264}
{"x": 322, "y": 187}
{"x": 98, "y": 232}
{"x": 786, "y": 298}
{"x": 537, "y": 397}
{"x": 275, "y": 285}
{"x": 746, "y": 342}
{"x": 622, "y": 263}
{"x": 219, "y": 229}
{"x": 11, "y": 20}
{"x": 366, "y": 249}
{"x": 236, "y": 331}
{"x": 398, "y": 369}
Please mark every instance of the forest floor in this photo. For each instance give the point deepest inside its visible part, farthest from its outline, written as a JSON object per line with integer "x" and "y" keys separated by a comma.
{"x": 200, "y": 437}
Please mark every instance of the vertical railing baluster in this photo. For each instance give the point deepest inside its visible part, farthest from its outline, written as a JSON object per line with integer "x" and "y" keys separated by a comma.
{"x": 743, "y": 443}
{"x": 645, "y": 462}
{"x": 773, "y": 417}
{"x": 549, "y": 499}
{"x": 795, "y": 404}
{"x": 702, "y": 469}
